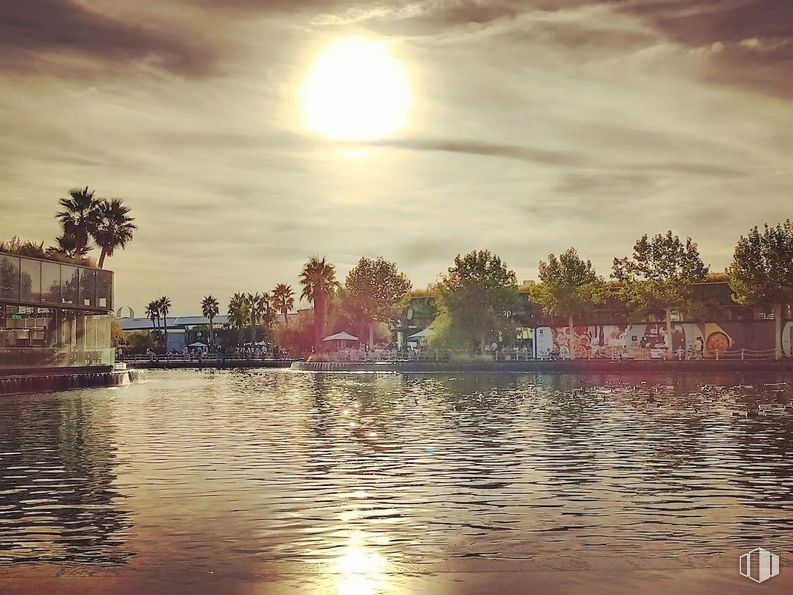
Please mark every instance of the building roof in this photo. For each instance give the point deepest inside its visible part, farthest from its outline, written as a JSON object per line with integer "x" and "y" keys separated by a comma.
{"x": 144, "y": 324}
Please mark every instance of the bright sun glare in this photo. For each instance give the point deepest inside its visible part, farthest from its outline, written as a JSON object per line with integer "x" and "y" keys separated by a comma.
{"x": 356, "y": 90}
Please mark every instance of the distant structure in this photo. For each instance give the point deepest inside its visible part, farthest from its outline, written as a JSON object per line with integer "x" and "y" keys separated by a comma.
{"x": 54, "y": 316}
{"x": 182, "y": 330}
{"x": 125, "y": 312}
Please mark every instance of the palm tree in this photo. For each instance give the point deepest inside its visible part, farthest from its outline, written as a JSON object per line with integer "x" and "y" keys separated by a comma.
{"x": 163, "y": 307}
{"x": 153, "y": 314}
{"x": 210, "y": 307}
{"x": 68, "y": 246}
{"x": 283, "y": 300}
{"x": 260, "y": 310}
{"x": 113, "y": 227}
{"x": 319, "y": 282}
{"x": 239, "y": 312}
{"x": 78, "y": 216}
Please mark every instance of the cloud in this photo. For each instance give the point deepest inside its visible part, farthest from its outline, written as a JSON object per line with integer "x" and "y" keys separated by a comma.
{"x": 750, "y": 41}
{"x": 520, "y": 153}
{"x": 62, "y": 35}
{"x": 564, "y": 159}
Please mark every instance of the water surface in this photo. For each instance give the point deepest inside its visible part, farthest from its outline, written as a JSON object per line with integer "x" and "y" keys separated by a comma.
{"x": 265, "y": 471}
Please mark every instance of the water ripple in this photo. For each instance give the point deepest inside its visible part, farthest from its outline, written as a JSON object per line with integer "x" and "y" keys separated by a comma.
{"x": 240, "y": 469}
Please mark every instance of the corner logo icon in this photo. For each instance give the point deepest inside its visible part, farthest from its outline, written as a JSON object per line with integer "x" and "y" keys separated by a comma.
{"x": 759, "y": 565}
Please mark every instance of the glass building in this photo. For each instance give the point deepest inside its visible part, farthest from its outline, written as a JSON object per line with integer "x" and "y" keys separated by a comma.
{"x": 53, "y": 315}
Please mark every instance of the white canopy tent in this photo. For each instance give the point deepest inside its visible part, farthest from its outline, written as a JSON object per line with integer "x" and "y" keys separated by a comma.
{"x": 342, "y": 336}
{"x": 416, "y": 337}
{"x": 197, "y": 344}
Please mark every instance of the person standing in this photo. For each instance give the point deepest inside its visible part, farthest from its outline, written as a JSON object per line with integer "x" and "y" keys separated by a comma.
{"x": 699, "y": 347}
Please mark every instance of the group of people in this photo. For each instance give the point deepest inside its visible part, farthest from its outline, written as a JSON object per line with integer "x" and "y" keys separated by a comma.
{"x": 221, "y": 352}
{"x": 693, "y": 351}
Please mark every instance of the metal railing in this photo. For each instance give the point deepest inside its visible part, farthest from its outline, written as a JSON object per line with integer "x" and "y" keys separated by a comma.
{"x": 213, "y": 358}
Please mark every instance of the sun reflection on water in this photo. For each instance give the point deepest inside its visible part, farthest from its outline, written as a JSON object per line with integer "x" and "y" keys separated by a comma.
{"x": 360, "y": 571}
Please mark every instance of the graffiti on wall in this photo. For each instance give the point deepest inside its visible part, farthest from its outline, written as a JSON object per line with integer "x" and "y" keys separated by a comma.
{"x": 650, "y": 341}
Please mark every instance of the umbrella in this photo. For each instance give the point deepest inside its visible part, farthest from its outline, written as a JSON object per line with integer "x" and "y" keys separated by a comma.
{"x": 342, "y": 336}
{"x": 261, "y": 343}
{"x": 197, "y": 344}
{"x": 421, "y": 334}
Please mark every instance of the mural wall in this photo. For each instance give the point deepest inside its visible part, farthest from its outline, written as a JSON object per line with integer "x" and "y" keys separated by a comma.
{"x": 649, "y": 340}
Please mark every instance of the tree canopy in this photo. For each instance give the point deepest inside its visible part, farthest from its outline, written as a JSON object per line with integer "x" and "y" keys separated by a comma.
{"x": 761, "y": 272}
{"x": 374, "y": 287}
{"x": 568, "y": 286}
{"x": 475, "y": 300}
{"x": 661, "y": 272}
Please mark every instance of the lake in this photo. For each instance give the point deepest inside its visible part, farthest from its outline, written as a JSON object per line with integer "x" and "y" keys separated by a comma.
{"x": 381, "y": 483}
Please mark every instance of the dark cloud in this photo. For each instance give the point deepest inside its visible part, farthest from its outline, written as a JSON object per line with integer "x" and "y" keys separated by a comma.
{"x": 606, "y": 183}
{"x": 564, "y": 159}
{"x": 37, "y": 35}
{"x": 703, "y": 22}
{"x": 520, "y": 153}
{"x": 751, "y": 41}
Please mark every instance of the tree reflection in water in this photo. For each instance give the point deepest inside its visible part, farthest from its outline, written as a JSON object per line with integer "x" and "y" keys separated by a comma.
{"x": 57, "y": 499}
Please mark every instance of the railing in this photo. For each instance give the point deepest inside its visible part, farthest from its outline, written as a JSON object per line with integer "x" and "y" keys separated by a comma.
{"x": 213, "y": 358}
{"x": 744, "y": 354}
{"x": 389, "y": 356}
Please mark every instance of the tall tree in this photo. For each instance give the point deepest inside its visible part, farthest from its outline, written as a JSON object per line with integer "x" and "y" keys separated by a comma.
{"x": 569, "y": 286}
{"x": 239, "y": 313}
{"x": 375, "y": 287}
{"x": 660, "y": 275}
{"x": 318, "y": 279}
{"x": 113, "y": 227}
{"x": 258, "y": 310}
{"x": 210, "y": 307}
{"x": 78, "y": 216}
{"x": 761, "y": 273}
{"x": 474, "y": 300}
{"x": 164, "y": 307}
{"x": 283, "y": 300}
{"x": 153, "y": 313}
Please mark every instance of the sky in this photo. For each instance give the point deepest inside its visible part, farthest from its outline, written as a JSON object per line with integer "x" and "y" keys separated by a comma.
{"x": 534, "y": 125}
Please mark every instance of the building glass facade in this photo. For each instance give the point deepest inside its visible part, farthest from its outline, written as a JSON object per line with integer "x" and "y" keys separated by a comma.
{"x": 53, "y": 315}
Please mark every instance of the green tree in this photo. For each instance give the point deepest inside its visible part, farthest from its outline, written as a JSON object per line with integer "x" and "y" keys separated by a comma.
{"x": 210, "y": 307}
{"x": 239, "y": 313}
{"x": 474, "y": 301}
{"x": 318, "y": 279}
{"x": 569, "y": 286}
{"x": 112, "y": 227}
{"x": 117, "y": 336}
{"x": 164, "y": 307}
{"x": 660, "y": 275}
{"x": 153, "y": 314}
{"x": 78, "y": 217}
{"x": 374, "y": 287}
{"x": 259, "y": 310}
{"x": 761, "y": 273}
{"x": 283, "y": 300}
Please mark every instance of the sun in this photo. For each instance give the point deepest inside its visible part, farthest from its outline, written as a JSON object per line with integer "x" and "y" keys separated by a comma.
{"x": 356, "y": 90}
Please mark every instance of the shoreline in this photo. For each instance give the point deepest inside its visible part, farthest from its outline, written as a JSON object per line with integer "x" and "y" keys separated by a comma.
{"x": 555, "y": 367}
